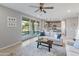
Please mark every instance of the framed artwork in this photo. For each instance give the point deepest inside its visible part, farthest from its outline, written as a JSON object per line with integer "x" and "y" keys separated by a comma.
{"x": 11, "y": 21}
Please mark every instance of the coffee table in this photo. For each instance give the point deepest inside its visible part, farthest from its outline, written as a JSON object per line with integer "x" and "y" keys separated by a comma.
{"x": 47, "y": 42}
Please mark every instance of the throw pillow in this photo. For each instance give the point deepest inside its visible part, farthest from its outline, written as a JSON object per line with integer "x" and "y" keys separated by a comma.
{"x": 42, "y": 33}
{"x": 76, "y": 44}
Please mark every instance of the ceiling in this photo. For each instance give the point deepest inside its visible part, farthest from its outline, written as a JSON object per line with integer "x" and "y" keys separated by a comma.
{"x": 60, "y": 9}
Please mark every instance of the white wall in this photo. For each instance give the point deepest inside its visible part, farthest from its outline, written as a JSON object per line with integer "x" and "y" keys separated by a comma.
{"x": 77, "y": 31}
{"x": 63, "y": 26}
{"x": 71, "y": 26}
{"x": 9, "y": 35}
{"x": 41, "y": 25}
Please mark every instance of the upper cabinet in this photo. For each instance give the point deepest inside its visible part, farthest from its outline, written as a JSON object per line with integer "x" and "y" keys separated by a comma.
{"x": 53, "y": 25}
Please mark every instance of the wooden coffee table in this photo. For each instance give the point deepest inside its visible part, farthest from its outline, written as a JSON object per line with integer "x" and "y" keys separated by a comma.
{"x": 48, "y": 42}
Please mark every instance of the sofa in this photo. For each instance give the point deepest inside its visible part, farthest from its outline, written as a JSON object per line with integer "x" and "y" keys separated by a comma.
{"x": 55, "y": 36}
{"x": 71, "y": 50}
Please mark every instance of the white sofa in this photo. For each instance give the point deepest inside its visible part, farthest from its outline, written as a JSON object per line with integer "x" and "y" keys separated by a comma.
{"x": 52, "y": 36}
{"x": 70, "y": 49}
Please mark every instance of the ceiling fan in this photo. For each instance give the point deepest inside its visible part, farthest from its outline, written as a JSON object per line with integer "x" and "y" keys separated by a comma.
{"x": 41, "y": 8}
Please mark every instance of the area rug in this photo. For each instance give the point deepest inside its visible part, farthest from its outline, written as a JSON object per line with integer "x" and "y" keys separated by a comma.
{"x": 32, "y": 50}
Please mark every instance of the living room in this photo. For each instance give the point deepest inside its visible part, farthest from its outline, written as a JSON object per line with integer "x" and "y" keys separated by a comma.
{"x": 23, "y": 24}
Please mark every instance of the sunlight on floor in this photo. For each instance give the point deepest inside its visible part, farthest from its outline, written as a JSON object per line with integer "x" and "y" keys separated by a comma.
{"x": 27, "y": 42}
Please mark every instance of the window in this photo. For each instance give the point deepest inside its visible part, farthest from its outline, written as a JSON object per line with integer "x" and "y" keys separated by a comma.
{"x": 33, "y": 26}
{"x": 36, "y": 27}
{"x": 25, "y": 26}
{"x": 29, "y": 27}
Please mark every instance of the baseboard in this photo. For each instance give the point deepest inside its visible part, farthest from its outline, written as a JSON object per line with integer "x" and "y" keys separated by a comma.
{"x": 11, "y": 45}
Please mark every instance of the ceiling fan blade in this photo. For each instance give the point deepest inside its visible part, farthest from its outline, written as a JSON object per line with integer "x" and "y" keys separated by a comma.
{"x": 44, "y": 11}
{"x": 41, "y": 4}
{"x": 34, "y": 6}
{"x": 37, "y": 10}
{"x": 48, "y": 7}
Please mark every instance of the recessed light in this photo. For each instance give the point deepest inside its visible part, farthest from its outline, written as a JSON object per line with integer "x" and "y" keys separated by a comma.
{"x": 69, "y": 11}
